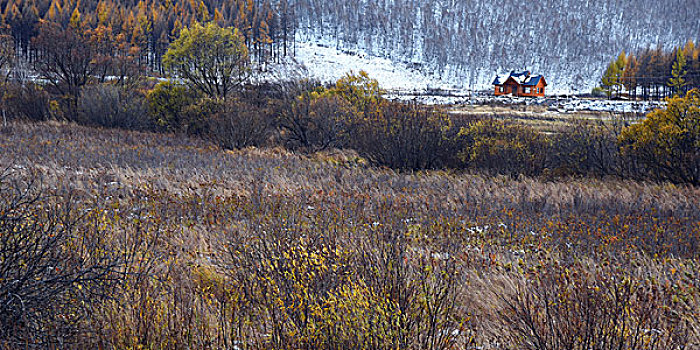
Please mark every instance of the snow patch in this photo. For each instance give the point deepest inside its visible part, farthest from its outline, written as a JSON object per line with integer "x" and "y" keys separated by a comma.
{"x": 328, "y": 64}
{"x": 325, "y": 61}
{"x": 554, "y": 104}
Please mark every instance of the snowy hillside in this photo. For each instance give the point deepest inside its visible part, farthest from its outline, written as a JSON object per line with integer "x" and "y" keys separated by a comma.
{"x": 328, "y": 64}
{"x": 323, "y": 62}
{"x": 464, "y": 43}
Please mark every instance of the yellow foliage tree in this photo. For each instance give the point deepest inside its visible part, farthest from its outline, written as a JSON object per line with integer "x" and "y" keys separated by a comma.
{"x": 358, "y": 89}
{"x": 211, "y": 59}
{"x": 667, "y": 142}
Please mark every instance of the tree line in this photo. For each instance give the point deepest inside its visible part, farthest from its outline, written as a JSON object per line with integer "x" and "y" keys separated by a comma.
{"x": 147, "y": 27}
{"x": 448, "y": 38}
{"x": 653, "y": 73}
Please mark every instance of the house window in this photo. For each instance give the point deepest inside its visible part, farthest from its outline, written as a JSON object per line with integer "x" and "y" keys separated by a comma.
{"x": 528, "y": 90}
{"x": 501, "y": 89}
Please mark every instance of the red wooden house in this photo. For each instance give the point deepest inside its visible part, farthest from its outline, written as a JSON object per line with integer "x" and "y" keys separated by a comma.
{"x": 520, "y": 84}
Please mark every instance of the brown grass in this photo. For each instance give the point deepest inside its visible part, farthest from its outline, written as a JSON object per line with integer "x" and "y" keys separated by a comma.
{"x": 220, "y": 224}
{"x": 540, "y": 118}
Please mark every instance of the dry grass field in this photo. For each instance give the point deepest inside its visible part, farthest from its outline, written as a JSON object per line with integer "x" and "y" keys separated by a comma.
{"x": 542, "y": 118}
{"x": 268, "y": 249}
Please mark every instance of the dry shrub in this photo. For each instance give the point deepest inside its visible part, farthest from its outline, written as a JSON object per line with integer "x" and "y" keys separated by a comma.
{"x": 502, "y": 148}
{"x": 402, "y": 136}
{"x": 25, "y": 102}
{"x": 53, "y": 266}
{"x": 588, "y": 148}
{"x": 592, "y": 305}
{"x": 314, "y": 123}
{"x": 238, "y": 124}
{"x": 301, "y": 286}
{"x": 112, "y": 106}
{"x": 413, "y": 278}
{"x": 168, "y": 298}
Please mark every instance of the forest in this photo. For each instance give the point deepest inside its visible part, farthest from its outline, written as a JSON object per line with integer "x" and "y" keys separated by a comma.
{"x": 653, "y": 73}
{"x": 568, "y": 41}
{"x": 144, "y": 29}
{"x": 465, "y": 41}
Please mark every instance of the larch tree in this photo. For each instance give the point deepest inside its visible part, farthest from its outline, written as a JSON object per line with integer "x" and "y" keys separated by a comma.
{"x": 678, "y": 72}
{"x": 620, "y": 65}
{"x": 667, "y": 141}
{"x": 610, "y": 78}
{"x": 7, "y": 54}
{"x": 629, "y": 75}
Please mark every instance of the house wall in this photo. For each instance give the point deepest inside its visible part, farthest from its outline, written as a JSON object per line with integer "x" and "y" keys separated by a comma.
{"x": 498, "y": 91}
{"x": 533, "y": 90}
{"x": 507, "y": 88}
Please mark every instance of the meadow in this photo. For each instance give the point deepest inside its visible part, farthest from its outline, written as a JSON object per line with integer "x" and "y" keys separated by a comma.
{"x": 143, "y": 240}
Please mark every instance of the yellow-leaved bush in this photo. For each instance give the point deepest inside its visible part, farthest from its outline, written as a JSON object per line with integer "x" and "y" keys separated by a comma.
{"x": 667, "y": 142}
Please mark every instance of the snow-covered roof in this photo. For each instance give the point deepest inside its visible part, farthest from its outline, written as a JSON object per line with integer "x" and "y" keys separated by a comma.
{"x": 522, "y": 78}
{"x": 499, "y": 80}
{"x": 532, "y": 80}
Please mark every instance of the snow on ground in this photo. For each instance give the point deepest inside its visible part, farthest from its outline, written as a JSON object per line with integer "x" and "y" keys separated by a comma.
{"x": 574, "y": 105}
{"x": 329, "y": 64}
{"x": 553, "y": 104}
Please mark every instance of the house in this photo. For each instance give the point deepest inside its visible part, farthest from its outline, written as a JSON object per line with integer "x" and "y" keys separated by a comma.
{"x": 520, "y": 84}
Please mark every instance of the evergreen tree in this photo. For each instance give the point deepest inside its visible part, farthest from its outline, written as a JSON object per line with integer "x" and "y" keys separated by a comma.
{"x": 608, "y": 81}
{"x": 678, "y": 72}
{"x": 612, "y": 78}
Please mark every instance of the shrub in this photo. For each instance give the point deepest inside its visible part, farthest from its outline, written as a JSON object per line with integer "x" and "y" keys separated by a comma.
{"x": 299, "y": 287}
{"x": 314, "y": 122}
{"x": 196, "y": 117}
{"x": 51, "y": 267}
{"x": 113, "y": 107}
{"x": 402, "y": 136}
{"x": 167, "y": 103}
{"x": 667, "y": 142}
{"x": 239, "y": 124}
{"x": 599, "y": 92}
{"x": 410, "y": 275}
{"x": 504, "y": 148}
{"x": 585, "y": 148}
{"x": 358, "y": 89}
{"x": 26, "y": 102}
{"x": 569, "y": 307}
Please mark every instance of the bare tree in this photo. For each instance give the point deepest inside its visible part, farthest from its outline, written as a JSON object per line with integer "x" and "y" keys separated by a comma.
{"x": 67, "y": 59}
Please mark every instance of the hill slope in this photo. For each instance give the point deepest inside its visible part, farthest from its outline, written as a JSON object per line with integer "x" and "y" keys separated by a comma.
{"x": 464, "y": 42}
